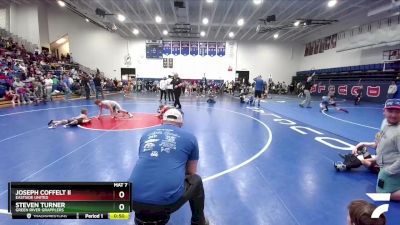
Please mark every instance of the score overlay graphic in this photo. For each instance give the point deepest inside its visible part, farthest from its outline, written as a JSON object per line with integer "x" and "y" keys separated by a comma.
{"x": 73, "y": 200}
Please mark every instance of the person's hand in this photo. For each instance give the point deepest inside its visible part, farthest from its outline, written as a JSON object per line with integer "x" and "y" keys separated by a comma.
{"x": 355, "y": 149}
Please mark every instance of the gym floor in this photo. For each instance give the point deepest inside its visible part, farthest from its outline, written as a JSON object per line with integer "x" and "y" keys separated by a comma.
{"x": 268, "y": 165}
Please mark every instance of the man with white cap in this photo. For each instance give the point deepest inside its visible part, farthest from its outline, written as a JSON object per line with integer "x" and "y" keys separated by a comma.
{"x": 164, "y": 177}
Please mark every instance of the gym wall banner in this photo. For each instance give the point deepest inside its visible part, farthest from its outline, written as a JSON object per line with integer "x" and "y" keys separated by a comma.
{"x": 176, "y": 48}
{"x": 184, "y": 48}
{"x": 370, "y": 92}
{"x": 167, "y": 48}
{"x": 194, "y": 48}
{"x": 221, "y": 46}
{"x": 212, "y": 48}
{"x": 203, "y": 48}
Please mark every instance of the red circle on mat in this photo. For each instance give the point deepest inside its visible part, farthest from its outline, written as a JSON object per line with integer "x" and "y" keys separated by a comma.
{"x": 138, "y": 121}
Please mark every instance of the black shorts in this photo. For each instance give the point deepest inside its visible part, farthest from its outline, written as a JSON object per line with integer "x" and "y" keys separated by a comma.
{"x": 80, "y": 121}
{"x": 258, "y": 94}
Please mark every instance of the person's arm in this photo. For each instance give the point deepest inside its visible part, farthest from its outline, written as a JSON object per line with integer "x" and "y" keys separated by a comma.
{"x": 100, "y": 111}
{"x": 111, "y": 110}
{"x": 191, "y": 165}
{"x": 361, "y": 144}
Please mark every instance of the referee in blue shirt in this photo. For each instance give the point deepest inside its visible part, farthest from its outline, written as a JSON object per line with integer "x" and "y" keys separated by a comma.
{"x": 259, "y": 89}
{"x": 164, "y": 177}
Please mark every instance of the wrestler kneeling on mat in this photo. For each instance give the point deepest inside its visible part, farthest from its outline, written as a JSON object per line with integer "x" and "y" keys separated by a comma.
{"x": 164, "y": 177}
{"x": 75, "y": 121}
{"x": 113, "y": 106}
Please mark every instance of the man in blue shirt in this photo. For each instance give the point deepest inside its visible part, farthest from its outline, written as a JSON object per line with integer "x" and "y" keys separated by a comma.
{"x": 259, "y": 88}
{"x": 164, "y": 177}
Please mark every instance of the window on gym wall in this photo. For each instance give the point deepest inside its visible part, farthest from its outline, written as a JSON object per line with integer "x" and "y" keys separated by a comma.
{"x": 60, "y": 48}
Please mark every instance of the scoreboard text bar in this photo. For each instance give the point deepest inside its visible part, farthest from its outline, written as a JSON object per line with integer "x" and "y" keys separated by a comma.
{"x": 74, "y": 200}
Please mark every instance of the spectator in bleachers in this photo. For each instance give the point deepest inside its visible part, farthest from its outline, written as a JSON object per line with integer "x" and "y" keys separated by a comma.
{"x": 20, "y": 89}
{"x": 38, "y": 88}
{"x": 48, "y": 84}
{"x": 66, "y": 87}
{"x": 56, "y": 83}
{"x": 12, "y": 96}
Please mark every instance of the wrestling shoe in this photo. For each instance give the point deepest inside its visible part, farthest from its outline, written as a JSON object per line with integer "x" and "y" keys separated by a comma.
{"x": 50, "y": 123}
{"x": 339, "y": 166}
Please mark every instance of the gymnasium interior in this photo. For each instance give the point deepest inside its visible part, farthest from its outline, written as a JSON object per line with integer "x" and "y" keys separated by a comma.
{"x": 279, "y": 94}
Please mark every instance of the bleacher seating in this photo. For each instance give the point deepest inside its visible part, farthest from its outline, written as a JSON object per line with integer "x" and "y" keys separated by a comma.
{"x": 390, "y": 67}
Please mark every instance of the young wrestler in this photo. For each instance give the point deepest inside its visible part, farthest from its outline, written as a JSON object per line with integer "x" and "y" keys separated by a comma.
{"x": 162, "y": 109}
{"x": 113, "y": 106}
{"x": 330, "y": 101}
{"x": 74, "y": 121}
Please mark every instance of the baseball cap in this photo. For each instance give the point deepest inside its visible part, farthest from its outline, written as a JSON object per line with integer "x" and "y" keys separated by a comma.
{"x": 173, "y": 115}
{"x": 392, "y": 104}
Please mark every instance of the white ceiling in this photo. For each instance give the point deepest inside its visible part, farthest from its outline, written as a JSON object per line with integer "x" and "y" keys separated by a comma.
{"x": 222, "y": 14}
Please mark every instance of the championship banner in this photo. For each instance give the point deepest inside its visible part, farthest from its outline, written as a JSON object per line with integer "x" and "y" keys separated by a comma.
{"x": 316, "y": 47}
{"x": 327, "y": 43}
{"x": 212, "y": 48}
{"x": 333, "y": 41}
{"x": 176, "y": 47}
{"x": 165, "y": 63}
{"x": 171, "y": 63}
{"x": 167, "y": 48}
{"x": 184, "y": 48}
{"x": 203, "y": 48}
{"x": 194, "y": 48}
{"x": 221, "y": 48}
